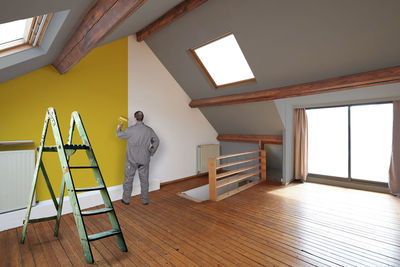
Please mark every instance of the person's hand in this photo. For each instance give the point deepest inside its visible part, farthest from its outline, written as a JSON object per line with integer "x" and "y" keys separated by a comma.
{"x": 120, "y": 125}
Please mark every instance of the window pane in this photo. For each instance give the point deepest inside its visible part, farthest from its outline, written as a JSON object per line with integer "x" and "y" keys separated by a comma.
{"x": 328, "y": 141}
{"x": 371, "y": 141}
{"x": 12, "y": 31}
{"x": 225, "y": 61}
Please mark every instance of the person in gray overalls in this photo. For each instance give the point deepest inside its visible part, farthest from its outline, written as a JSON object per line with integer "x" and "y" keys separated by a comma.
{"x": 142, "y": 142}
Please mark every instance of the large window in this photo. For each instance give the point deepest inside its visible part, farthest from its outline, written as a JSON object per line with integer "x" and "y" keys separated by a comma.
{"x": 351, "y": 142}
{"x": 328, "y": 141}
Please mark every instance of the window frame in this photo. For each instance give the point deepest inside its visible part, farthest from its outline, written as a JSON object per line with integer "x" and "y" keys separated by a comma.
{"x": 33, "y": 36}
{"x": 349, "y": 179}
{"x": 198, "y": 60}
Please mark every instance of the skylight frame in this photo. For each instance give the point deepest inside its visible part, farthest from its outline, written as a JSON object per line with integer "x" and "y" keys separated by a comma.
{"x": 209, "y": 76}
{"x": 34, "y": 31}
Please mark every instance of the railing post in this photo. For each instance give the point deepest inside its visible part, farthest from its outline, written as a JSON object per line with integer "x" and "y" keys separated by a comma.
{"x": 263, "y": 165}
{"x": 212, "y": 178}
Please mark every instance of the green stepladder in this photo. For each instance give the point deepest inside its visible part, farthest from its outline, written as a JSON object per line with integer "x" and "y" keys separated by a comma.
{"x": 65, "y": 151}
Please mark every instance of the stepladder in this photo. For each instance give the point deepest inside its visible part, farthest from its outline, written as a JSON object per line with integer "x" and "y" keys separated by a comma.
{"x": 65, "y": 152}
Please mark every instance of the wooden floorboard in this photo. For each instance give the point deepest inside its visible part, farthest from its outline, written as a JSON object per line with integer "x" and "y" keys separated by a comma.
{"x": 266, "y": 225}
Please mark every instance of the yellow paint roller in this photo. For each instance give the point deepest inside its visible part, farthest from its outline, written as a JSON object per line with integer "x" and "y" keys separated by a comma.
{"x": 123, "y": 119}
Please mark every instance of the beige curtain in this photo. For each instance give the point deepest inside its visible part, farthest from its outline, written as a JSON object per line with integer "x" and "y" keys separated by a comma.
{"x": 300, "y": 144}
{"x": 394, "y": 170}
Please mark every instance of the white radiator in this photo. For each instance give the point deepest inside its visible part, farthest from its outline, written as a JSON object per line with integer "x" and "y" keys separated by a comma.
{"x": 16, "y": 174}
{"x": 203, "y": 153}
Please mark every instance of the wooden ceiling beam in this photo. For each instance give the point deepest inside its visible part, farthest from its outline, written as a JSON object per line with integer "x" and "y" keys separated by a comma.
{"x": 101, "y": 20}
{"x": 364, "y": 79}
{"x": 264, "y": 139}
{"x": 172, "y": 15}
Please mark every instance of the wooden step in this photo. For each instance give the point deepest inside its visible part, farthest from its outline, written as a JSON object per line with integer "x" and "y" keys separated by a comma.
{"x": 83, "y": 167}
{"x": 103, "y": 234}
{"x": 85, "y": 189}
{"x": 95, "y": 212}
{"x": 41, "y": 219}
{"x": 71, "y": 147}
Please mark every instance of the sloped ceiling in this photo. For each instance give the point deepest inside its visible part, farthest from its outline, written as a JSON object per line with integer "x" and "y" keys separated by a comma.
{"x": 149, "y": 12}
{"x": 286, "y": 42}
{"x": 19, "y": 9}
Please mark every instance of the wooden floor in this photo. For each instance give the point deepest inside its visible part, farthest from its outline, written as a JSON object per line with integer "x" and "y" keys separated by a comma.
{"x": 267, "y": 225}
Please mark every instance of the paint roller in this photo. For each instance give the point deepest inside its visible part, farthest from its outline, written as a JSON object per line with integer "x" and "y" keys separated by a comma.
{"x": 122, "y": 119}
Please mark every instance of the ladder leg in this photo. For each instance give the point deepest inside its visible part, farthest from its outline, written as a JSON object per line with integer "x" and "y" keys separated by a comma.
{"x": 107, "y": 202}
{"x": 70, "y": 187}
{"x": 61, "y": 201}
{"x": 60, "y": 205}
{"x": 46, "y": 178}
{"x": 100, "y": 181}
{"x": 76, "y": 210}
{"x": 35, "y": 176}
{"x": 81, "y": 229}
{"x": 120, "y": 238}
{"x": 29, "y": 208}
{"x": 77, "y": 122}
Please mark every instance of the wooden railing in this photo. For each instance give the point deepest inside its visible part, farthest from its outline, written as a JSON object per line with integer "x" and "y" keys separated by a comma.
{"x": 216, "y": 181}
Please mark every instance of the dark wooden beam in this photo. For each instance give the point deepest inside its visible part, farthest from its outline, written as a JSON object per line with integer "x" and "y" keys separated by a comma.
{"x": 101, "y": 20}
{"x": 263, "y": 139}
{"x": 172, "y": 15}
{"x": 364, "y": 79}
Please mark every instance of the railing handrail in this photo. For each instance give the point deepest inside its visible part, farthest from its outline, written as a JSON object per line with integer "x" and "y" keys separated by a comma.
{"x": 237, "y": 174}
{"x": 237, "y": 162}
{"x": 237, "y": 154}
{"x": 236, "y": 179}
{"x": 235, "y": 171}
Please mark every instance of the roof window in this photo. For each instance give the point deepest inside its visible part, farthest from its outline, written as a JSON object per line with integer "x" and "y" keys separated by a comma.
{"x": 223, "y": 62}
{"x": 19, "y": 35}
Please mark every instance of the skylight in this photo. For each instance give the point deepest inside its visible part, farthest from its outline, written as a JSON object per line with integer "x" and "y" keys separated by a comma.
{"x": 223, "y": 62}
{"x": 12, "y": 31}
{"x": 19, "y": 35}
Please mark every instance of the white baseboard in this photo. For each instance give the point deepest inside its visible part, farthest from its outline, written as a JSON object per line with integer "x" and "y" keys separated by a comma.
{"x": 46, "y": 208}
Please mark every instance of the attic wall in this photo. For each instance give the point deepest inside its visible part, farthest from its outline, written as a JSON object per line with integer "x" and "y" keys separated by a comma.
{"x": 250, "y": 118}
{"x": 153, "y": 90}
{"x": 98, "y": 91}
{"x": 260, "y": 118}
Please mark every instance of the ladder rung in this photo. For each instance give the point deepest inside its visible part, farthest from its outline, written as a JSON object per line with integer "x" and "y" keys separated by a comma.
{"x": 83, "y": 189}
{"x": 83, "y": 167}
{"x": 49, "y": 149}
{"x": 41, "y": 219}
{"x": 94, "y": 212}
{"x": 66, "y": 146}
{"x": 54, "y": 148}
{"x": 103, "y": 235}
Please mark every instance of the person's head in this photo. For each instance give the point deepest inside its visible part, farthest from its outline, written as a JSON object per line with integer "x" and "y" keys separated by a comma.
{"x": 139, "y": 116}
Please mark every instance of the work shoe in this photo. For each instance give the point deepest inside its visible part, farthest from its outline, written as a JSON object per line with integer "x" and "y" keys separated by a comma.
{"x": 126, "y": 203}
{"x": 145, "y": 201}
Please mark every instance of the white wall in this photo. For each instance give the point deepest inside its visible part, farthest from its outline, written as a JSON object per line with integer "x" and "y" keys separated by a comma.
{"x": 165, "y": 105}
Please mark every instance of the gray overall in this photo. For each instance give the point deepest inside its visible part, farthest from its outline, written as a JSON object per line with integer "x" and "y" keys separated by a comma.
{"x": 142, "y": 143}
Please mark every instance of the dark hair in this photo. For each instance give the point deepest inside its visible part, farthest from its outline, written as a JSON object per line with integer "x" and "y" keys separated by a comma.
{"x": 139, "y": 115}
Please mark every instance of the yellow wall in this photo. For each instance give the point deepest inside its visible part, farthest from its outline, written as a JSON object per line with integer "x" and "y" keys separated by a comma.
{"x": 97, "y": 87}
